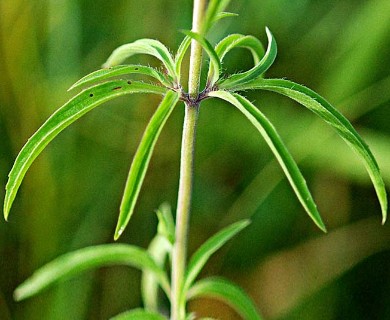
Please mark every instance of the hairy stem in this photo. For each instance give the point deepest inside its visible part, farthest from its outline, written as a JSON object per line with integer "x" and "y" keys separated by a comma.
{"x": 186, "y": 170}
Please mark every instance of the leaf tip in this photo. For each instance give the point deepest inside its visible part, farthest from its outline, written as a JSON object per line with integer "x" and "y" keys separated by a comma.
{"x": 107, "y": 65}
{"x": 185, "y": 31}
{"x": 19, "y": 294}
{"x": 118, "y": 233}
{"x": 384, "y": 218}
{"x": 6, "y": 208}
{"x": 246, "y": 222}
{"x": 72, "y": 87}
{"x": 322, "y": 227}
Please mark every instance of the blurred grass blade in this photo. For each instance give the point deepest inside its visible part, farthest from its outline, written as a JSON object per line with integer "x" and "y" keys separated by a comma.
{"x": 120, "y": 70}
{"x": 166, "y": 223}
{"x": 141, "y": 160}
{"x": 143, "y": 46}
{"x": 213, "y": 11}
{"x": 202, "y": 255}
{"x": 286, "y": 161}
{"x": 240, "y": 41}
{"x": 314, "y": 102}
{"x": 214, "y": 60}
{"x": 62, "y": 118}
{"x": 75, "y": 262}
{"x": 138, "y": 314}
{"x": 184, "y": 45}
{"x": 227, "y": 292}
{"x": 257, "y": 70}
{"x": 159, "y": 249}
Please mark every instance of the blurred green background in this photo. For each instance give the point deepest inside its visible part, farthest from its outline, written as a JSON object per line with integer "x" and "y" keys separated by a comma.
{"x": 70, "y": 197}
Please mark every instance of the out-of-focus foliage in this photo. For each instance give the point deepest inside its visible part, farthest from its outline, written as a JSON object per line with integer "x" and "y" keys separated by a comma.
{"x": 70, "y": 198}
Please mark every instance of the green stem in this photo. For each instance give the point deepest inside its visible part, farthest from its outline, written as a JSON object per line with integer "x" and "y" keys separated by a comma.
{"x": 186, "y": 170}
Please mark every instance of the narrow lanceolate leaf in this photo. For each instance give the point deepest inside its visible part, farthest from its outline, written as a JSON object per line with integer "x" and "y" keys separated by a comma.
{"x": 184, "y": 45}
{"x": 227, "y": 292}
{"x": 239, "y": 41}
{"x": 141, "y": 160}
{"x": 213, "y": 11}
{"x": 202, "y": 255}
{"x": 214, "y": 60}
{"x": 314, "y": 102}
{"x": 63, "y": 117}
{"x": 81, "y": 260}
{"x": 286, "y": 161}
{"x": 143, "y": 46}
{"x": 138, "y": 314}
{"x": 115, "y": 71}
{"x": 256, "y": 71}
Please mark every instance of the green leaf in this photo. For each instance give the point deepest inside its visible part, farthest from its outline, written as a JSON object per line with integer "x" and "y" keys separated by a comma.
{"x": 73, "y": 263}
{"x": 213, "y": 11}
{"x": 239, "y": 41}
{"x": 110, "y": 72}
{"x": 314, "y": 102}
{"x": 159, "y": 249}
{"x": 227, "y": 292}
{"x": 143, "y": 46}
{"x": 202, "y": 255}
{"x": 223, "y": 15}
{"x": 286, "y": 161}
{"x": 138, "y": 314}
{"x": 141, "y": 160}
{"x": 264, "y": 64}
{"x": 63, "y": 117}
{"x": 214, "y": 60}
{"x": 166, "y": 224}
{"x": 180, "y": 56}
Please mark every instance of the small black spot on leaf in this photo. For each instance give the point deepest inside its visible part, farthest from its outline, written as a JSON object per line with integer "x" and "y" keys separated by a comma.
{"x": 135, "y": 69}
{"x": 116, "y": 88}
{"x": 91, "y": 95}
{"x": 128, "y": 82}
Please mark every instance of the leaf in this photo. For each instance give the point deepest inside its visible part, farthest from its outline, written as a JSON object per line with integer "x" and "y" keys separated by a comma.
{"x": 110, "y": 72}
{"x": 213, "y": 13}
{"x": 264, "y": 64}
{"x": 180, "y": 56}
{"x": 63, "y": 117}
{"x": 141, "y": 160}
{"x": 201, "y": 256}
{"x": 280, "y": 151}
{"x": 239, "y": 41}
{"x": 314, "y": 102}
{"x": 159, "y": 249}
{"x": 166, "y": 224}
{"x": 73, "y": 263}
{"x": 227, "y": 292}
{"x": 214, "y": 60}
{"x": 138, "y": 314}
{"x": 143, "y": 46}
{"x": 223, "y": 15}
